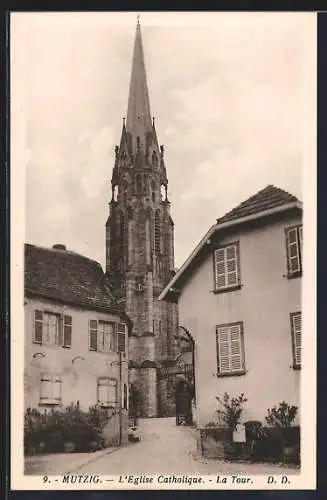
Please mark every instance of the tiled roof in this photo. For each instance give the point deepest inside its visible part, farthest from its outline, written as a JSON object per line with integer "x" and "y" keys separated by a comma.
{"x": 69, "y": 278}
{"x": 266, "y": 199}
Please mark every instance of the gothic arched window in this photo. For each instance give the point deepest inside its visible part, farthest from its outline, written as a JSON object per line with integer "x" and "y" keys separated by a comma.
{"x": 122, "y": 239}
{"x": 153, "y": 191}
{"x": 138, "y": 183}
{"x": 157, "y": 232}
{"x": 154, "y": 159}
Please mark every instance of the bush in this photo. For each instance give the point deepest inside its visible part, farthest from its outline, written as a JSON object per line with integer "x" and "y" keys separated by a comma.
{"x": 232, "y": 409}
{"x": 50, "y": 431}
{"x": 282, "y": 415}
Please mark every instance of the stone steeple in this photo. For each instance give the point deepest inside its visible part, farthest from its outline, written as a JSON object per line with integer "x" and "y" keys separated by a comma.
{"x": 140, "y": 244}
{"x": 138, "y": 122}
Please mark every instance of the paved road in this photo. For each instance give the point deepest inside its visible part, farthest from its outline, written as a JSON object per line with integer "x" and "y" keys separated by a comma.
{"x": 167, "y": 449}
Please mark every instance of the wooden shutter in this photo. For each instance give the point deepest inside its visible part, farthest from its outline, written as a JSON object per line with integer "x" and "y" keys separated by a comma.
{"x": 121, "y": 337}
{"x": 93, "y": 335}
{"x": 220, "y": 266}
{"x": 103, "y": 391}
{"x": 296, "y": 320}
{"x": 38, "y": 326}
{"x": 231, "y": 265}
{"x": 230, "y": 355}
{"x": 293, "y": 250}
{"x": 67, "y": 340}
{"x": 112, "y": 392}
{"x": 56, "y": 388}
{"x": 46, "y": 388}
{"x": 223, "y": 350}
{"x": 236, "y": 357}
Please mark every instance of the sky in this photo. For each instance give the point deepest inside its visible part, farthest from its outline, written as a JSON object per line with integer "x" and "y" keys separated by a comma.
{"x": 229, "y": 93}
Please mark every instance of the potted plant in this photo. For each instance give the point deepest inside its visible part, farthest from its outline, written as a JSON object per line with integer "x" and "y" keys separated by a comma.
{"x": 282, "y": 417}
{"x": 230, "y": 415}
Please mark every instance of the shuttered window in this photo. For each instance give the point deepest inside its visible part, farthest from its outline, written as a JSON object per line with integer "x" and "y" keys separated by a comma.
{"x": 294, "y": 250}
{"x": 51, "y": 328}
{"x": 230, "y": 349}
{"x": 296, "y": 330}
{"x": 50, "y": 389}
{"x": 106, "y": 336}
{"x": 107, "y": 392}
{"x": 227, "y": 268}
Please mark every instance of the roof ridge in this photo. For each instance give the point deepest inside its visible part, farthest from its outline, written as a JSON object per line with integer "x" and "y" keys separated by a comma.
{"x": 267, "y": 197}
{"x": 62, "y": 252}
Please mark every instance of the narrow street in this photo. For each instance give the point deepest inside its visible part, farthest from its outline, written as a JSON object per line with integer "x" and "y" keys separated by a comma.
{"x": 166, "y": 448}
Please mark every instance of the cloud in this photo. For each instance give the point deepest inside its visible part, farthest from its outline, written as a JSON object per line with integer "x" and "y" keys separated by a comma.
{"x": 228, "y": 99}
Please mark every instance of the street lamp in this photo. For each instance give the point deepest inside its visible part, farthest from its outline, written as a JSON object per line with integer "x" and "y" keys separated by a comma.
{"x": 119, "y": 363}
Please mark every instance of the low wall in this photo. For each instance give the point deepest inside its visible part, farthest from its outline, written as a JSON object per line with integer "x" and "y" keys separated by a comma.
{"x": 278, "y": 445}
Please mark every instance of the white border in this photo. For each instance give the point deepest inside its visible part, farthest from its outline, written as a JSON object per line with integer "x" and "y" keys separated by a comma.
{"x": 306, "y": 479}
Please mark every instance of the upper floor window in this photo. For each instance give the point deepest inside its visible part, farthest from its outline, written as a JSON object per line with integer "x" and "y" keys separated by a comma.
{"x": 53, "y": 329}
{"x": 294, "y": 251}
{"x": 227, "y": 267}
{"x": 101, "y": 336}
{"x": 107, "y": 392}
{"x": 50, "y": 389}
{"x": 230, "y": 349}
{"x": 296, "y": 331}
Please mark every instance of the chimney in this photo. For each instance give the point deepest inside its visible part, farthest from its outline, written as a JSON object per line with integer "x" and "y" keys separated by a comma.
{"x": 58, "y": 246}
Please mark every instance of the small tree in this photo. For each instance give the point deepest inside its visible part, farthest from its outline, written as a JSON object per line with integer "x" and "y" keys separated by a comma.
{"x": 232, "y": 408}
{"x": 282, "y": 415}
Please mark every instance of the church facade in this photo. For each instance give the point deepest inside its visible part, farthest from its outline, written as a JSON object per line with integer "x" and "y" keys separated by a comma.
{"x": 140, "y": 250}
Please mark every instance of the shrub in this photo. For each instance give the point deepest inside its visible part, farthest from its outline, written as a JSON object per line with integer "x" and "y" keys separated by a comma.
{"x": 282, "y": 415}
{"x": 232, "y": 409}
{"x": 54, "y": 428}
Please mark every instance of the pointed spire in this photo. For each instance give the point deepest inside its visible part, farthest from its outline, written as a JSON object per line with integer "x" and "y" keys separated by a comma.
{"x": 138, "y": 121}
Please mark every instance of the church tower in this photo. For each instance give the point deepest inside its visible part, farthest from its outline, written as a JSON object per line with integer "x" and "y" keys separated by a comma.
{"x": 140, "y": 247}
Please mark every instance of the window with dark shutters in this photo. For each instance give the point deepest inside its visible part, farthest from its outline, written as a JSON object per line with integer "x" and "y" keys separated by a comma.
{"x": 38, "y": 326}
{"x": 227, "y": 267}
{"x": 230, "y": 349}
{"x": 294, "y": 241}
{"x": 296, "y": 330}
{"x": 93, "y": 334}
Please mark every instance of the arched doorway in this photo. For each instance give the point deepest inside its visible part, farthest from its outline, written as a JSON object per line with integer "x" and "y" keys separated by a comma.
{"x": 184, "y": 394}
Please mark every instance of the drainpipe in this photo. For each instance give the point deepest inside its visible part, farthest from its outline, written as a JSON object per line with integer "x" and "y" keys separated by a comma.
{"x": 120, "y": 400}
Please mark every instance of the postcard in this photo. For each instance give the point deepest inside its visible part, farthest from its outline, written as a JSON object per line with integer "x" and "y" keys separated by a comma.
{"x": 163, "y": 301}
